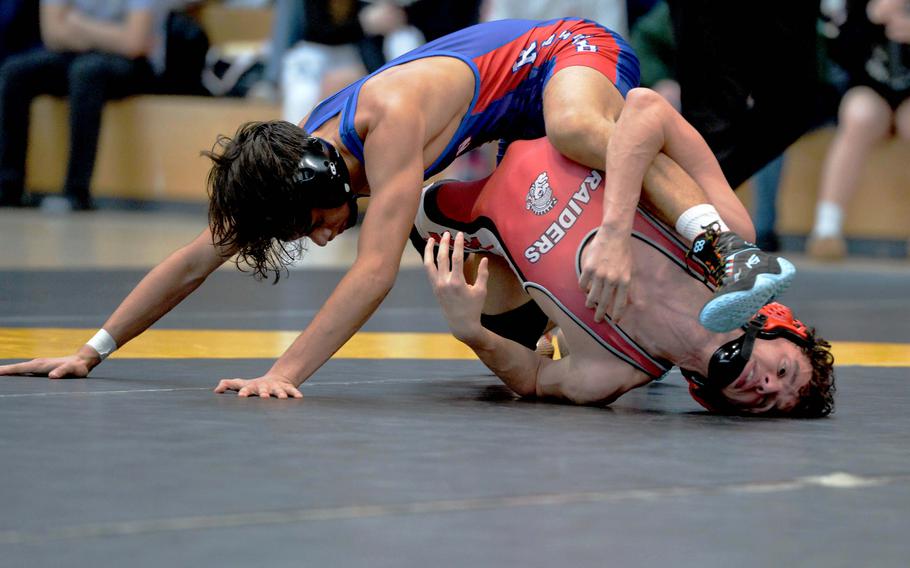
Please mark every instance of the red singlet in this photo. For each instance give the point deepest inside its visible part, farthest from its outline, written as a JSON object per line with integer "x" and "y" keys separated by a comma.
{"x": 538, "y": 210}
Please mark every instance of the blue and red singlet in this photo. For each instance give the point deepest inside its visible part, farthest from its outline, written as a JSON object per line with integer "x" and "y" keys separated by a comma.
{"x": 538, "y": 210}
{"x": 512, "y": 61}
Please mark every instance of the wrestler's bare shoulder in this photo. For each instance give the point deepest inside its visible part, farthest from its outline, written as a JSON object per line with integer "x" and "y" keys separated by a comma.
{"x": 441, "y": 83}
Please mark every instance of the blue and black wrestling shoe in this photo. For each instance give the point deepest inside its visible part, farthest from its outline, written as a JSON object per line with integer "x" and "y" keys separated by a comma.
{"x": 747, "y": 278}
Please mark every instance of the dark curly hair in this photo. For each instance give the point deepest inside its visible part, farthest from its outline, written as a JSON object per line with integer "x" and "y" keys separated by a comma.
{"x": 816, "y": 398}
{"x": 254, "y": 205}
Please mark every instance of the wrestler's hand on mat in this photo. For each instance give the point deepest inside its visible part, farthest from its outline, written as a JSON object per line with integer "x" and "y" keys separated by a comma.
{"x": 606, "y": 274}
{"x": 461, "y": 302}
{"x": 75, "y": 366}
{"x": 263, "y": 387}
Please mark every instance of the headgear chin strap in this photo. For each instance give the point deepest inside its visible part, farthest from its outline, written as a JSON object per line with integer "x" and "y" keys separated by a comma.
{"x": 322, "y": 173}
{"x": 727, "y": 363}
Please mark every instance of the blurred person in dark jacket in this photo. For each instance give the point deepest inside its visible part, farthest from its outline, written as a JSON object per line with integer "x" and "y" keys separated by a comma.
{"x": 873, "y": 47}
{"x": 18, "y": 27}
{"x": 95, "y": 51}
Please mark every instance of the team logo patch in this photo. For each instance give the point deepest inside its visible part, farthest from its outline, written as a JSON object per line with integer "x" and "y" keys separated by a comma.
{"x": 540, "y": 198}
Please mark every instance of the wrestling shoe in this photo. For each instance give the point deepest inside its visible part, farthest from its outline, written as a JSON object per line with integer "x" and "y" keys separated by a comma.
{"x": 747, "y": 278}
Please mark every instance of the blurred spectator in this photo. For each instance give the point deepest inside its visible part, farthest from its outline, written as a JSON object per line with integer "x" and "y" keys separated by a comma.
{"x": 288, "y": 24}
{"x": 333, "y": 51}
{"x": 765, "y": 187}
{"x": 433, "y": 18}
{"x": 428, "y": 19}
{"x": 636, "y": 9}
{"x": 18, "y": 27}
{"x": 345, "y": 39}
{"x": 748, "y": 77}
{"x": 96, "y": 50}
{"x": 335, "y": 37}
{"x": 609, "y": 13}
{"x": 186, "y": 46}
{"x": 873, "y": 49}
{"x": 653, "y": 41}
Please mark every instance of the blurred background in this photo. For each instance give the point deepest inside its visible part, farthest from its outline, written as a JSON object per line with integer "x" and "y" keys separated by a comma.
{"x": 805, "y": 104}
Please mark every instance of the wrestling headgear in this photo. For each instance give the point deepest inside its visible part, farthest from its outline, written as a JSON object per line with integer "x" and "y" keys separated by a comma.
{"x": 771, "y": 322}
{"x": 322, "y": 173}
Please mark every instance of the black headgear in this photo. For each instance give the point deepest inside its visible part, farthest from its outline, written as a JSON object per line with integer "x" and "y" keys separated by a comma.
{"x": 323, "y": 175}
{"x": 728, "y": 361}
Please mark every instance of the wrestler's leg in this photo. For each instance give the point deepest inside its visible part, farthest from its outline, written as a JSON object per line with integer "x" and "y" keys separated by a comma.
{"x": 648, "y": 127}
{"x": 504, "y": 291}
{"x": 508, "y": 310}
{"x": 581, "y": 107}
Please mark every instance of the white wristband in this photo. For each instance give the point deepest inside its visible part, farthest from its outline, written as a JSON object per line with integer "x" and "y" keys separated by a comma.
{"x": 103, "y": 343}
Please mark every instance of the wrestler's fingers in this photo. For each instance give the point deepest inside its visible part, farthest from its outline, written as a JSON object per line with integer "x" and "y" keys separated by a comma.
{"x": 594, "y": 293}
{"x": 222, "y": 386}
{"x": 584, "y": 281}
{"x": 458, "y": 257}
{"x": 293, "y": 391}
{"x": 225, "y": 385}
{"x": 65, "y": 370}
{"x": 442, "y": 255}
{"x": 18, "y": 368}
{"x": 620, "y": 301}
{"x": 602, "y": 304}
{"x": 428, "y": 256}
{"x": 483, "y": 274}
{"x": 264, "y": 391}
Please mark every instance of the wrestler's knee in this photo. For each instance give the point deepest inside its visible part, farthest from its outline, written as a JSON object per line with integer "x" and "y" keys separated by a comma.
{"x": 642, "y": 98}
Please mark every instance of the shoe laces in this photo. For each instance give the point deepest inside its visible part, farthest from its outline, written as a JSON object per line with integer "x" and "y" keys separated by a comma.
{"x": 713, "y": 260}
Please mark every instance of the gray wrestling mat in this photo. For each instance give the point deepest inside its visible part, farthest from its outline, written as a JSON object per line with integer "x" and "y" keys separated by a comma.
{"x": 391, "y": 463}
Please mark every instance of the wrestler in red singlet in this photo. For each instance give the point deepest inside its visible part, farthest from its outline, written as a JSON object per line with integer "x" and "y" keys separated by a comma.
{"x": 538, "y": 210}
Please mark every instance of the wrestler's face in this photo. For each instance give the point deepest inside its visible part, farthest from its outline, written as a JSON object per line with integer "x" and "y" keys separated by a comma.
{"x": 328, "y": 224}
{"x": 772, "y": 378}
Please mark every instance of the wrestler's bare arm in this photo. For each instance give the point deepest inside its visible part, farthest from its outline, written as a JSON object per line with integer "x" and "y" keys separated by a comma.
{"x": 654, "y": 156}
{"x": 394, "y": 158}
{"x": 521, "y": 369}
{"x": 155, "y": 295}
{"x": 651, "y": 132}
{"x": 678, "y": 141}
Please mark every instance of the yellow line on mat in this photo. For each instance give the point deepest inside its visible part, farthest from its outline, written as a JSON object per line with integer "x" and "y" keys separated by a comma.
{"x": 26, "y": 343}
{"x": 20, "y": 343}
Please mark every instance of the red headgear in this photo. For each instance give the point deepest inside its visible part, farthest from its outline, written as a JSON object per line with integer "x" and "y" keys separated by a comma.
{"x": 772, "y": 322}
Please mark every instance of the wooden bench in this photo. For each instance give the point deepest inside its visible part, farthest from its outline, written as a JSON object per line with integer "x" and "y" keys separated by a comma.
{"x": 881, "y": 207}
{"x": 149, "y": 147}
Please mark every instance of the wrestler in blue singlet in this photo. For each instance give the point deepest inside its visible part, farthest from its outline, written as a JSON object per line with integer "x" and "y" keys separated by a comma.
{"x": 512, "y": 61}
